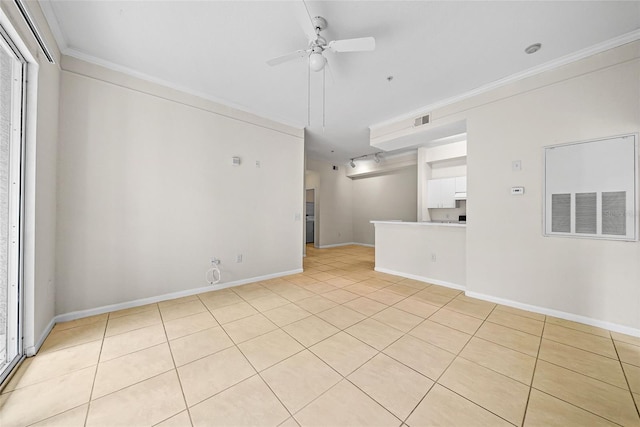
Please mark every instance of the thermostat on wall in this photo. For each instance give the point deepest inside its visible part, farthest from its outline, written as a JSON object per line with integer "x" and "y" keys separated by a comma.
{"x": 235, "y": 161}
{"x": 517, "y": 191}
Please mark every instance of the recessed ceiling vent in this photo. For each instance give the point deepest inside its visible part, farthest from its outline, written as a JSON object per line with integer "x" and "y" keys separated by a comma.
{"x": 422, "y": 120}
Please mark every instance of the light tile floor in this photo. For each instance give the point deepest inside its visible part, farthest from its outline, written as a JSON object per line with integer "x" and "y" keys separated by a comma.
{"x": 339, "y": 345}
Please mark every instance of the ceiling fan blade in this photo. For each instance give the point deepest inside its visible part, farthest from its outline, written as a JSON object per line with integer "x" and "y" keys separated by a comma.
{"x": 353, "y": 45}
{"x": 288, "y": 57}
{"x": 304, "y": 19}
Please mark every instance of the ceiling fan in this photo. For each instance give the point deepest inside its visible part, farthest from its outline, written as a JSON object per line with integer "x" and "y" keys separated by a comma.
{"x": 318, "y": 44}
{"x": 316, "y": 48}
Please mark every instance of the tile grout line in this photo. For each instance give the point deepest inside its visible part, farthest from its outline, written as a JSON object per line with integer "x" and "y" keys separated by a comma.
{"x": 250, "y": 364}
{"x": 582, "y": 349}
{"x": 624, "y": 372}
{"x": 437, "y": 381}
{"x": 175, "y": 369}
{"x": 563, "y": 400}
{"x": 533, "y": 374}
{"x": 577, "y": 407}
{"x": 95, "y": 374}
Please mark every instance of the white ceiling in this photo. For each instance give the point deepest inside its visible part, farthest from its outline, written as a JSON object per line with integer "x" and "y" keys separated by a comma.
{"x": 435, "y": 50}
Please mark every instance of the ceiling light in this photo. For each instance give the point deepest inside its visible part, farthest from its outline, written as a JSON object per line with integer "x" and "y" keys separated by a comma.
{"x": 352, "y": 163}
{"x": 376, "y": 157}
{"x": 533, "y": 48}
{"x": 317, "y": 61}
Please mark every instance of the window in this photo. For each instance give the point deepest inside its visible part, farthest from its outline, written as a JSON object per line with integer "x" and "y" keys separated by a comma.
{"x": 12, "y": 67}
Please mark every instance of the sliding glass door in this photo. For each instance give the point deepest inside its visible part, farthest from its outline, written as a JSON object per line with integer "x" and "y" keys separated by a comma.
{"x": 12, "y": 68}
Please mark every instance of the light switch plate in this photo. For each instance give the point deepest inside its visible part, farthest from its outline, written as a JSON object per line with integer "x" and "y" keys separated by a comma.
{"x": 517, "y": 191}
{"x": 516, "y": 165}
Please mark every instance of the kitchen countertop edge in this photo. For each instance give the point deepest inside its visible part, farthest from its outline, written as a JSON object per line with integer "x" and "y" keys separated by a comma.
{"x": 420, "y": 224}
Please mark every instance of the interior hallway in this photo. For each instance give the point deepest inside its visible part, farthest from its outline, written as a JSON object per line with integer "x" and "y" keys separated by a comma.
{"x": 339, "y": 344}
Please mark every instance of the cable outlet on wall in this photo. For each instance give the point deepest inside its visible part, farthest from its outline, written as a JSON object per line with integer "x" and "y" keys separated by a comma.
{"x": 433, "y": 257}
{"x": 239, "y": 258}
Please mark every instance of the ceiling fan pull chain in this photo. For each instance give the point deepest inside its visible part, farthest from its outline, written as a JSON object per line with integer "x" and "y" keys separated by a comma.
{"x": 308, "y": 93}
{"x": 324, "y": 94}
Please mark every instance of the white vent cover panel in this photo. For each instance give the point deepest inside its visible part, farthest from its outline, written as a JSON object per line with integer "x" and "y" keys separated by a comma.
{"x": 590, "y": 189}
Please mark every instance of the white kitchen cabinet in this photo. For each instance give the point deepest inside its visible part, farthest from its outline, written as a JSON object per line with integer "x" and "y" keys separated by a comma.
{"x": 441, "y": 193}
{"x": 461, "y": 184}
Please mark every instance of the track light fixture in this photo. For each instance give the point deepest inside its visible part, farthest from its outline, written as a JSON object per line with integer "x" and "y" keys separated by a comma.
{"x": 377, "y": 157}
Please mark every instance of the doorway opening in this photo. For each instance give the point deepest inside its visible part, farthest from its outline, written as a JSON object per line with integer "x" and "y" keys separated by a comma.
{"x": 310, "y": 216}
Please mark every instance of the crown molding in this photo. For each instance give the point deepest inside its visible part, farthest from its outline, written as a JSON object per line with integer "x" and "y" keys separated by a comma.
{"x": 547, "y": 66}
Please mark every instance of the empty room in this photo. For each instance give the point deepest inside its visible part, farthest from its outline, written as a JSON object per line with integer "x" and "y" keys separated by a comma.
{"x": 319, "y": 213}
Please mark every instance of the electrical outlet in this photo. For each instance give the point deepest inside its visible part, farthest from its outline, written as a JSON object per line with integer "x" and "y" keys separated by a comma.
{"x": 239, "y": 258}
{"x": 433, "y": 257}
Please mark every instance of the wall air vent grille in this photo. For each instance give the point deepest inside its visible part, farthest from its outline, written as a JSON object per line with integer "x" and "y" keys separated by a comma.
{"x": 587, "y": 213}
{"x": 590, "y": 189}
{"x": 422, "y": 120}
{"x": 561, "y": 213}
{"x": 614, "y": 211}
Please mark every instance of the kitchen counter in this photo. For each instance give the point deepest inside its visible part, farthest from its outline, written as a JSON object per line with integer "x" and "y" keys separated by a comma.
{"x": 432, "y": 252}
{"x": 423, "y": 223}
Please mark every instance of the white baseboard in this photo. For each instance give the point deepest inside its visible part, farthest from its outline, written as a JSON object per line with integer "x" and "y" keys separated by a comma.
{"x": 150, "y": 300}
{"x": 32, "y": 350}
{"x": 557, "y": 313}
{"x": 336, "y": 245}
{"x": 421, "y": 278}
{"x": 528, "y": 307}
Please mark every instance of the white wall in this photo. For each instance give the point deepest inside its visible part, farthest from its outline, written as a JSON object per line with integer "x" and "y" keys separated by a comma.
{"x": 334, "y": 196}
{"x": 40, "y": 178}
{"x": 507, "y": 255}
{"x": 422, "y": 251}
{"x": 383, "y": 197}
{"x": 346, "y": 206}
{"x": 148, "y": 194}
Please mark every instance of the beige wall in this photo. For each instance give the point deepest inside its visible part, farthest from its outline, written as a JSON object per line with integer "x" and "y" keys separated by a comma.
{"x": 148, "y": 193}
{"x": 383, "y": 197}
{"x": 40, "y": 178}
{"x": 427, "y": 252}
{"x": 508, "y": 258}
{"x": 346, "y": 206}
{"x": 334, "y": 192}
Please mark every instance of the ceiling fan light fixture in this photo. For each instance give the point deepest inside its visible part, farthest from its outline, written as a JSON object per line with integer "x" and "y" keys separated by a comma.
{"x": 317, "y": 61}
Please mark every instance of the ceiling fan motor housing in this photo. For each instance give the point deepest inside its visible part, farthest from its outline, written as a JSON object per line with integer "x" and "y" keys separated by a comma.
{"x": 319, "y": 23}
